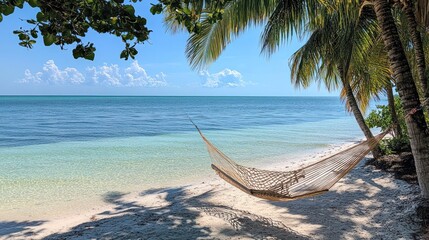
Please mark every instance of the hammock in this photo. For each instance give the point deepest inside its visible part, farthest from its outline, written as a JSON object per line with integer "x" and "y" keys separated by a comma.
{"x": 307, "y": 181}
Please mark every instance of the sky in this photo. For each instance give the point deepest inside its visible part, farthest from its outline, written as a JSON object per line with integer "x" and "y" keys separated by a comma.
{"x": 160, "y": 68}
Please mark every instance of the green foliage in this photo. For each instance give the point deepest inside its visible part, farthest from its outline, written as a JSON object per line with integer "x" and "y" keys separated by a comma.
{"x": 395, "y": 145}
{"x": 216, "y": 24}
{"x": 382, "y": 118}
{"x": 86, "y": 52}
{"x": 64, "y": 23}
{"x": 156, "y": 9}
{"x": 191, "y": 14}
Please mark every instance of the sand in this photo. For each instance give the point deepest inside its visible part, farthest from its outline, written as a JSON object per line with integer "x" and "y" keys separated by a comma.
{"x": 366, "y": 204}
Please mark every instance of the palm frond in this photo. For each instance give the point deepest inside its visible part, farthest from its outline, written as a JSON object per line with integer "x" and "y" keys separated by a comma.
{"x": 288, "y": 18}
{"x": 206, "y": 46}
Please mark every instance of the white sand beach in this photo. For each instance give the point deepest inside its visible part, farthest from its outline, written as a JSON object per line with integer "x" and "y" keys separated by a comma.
{"x": 366, "y": 204}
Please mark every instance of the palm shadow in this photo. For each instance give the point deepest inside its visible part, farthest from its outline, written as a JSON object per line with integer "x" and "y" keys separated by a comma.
{"x": 339, "y": 218}
{"x": 334, "y": 215}
{"x": 176, "y": 219}
{"x": 130, "y": 220}
{"x": 15, "y": 229}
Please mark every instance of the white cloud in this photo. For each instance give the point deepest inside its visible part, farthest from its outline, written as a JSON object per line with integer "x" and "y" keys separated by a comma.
{"x": 31, "y": 78}
{"x": 53, "y": 75}
{"x": 74, "y": 76}
{"x": 57, "y": 76}
{"x": 137, "y": 76}
{"x": 107, "y": 75}
{"x": 224, "y": 78}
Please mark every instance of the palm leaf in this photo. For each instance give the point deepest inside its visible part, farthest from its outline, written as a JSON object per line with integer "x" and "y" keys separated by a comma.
{"x": 206, "y": 46}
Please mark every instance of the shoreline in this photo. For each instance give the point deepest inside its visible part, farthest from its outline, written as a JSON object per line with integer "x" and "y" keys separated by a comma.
{"x": 361, "y": 205}
{"x": 57, "y": 207}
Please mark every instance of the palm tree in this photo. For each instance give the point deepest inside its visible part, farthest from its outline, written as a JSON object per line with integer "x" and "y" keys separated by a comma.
{"x": 290, "y": 17}
{"x": 391, "y": 104}
{"x": 416, "y": 124}
{"x": 338, "y": 54}
{"x": 417, "y": 43}
{"x": 206, "y": 46}
{"x": 422, "y": 12}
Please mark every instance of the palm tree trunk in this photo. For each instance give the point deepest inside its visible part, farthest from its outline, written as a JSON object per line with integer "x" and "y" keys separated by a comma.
{"x": 391, "y": 103}
{"x": 359, "y": 117}
{"x": 418, "y": 48}
{"x": 422, "y": 13}
{"x": 416, "y": 124}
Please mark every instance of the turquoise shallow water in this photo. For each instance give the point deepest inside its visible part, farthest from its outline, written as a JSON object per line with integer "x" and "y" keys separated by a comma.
{"x": 65, "y": 149}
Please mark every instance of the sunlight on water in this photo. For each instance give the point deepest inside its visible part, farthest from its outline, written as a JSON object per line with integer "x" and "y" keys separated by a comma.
{"x": 55, "y": 173}
{"x": 67, "y": 171}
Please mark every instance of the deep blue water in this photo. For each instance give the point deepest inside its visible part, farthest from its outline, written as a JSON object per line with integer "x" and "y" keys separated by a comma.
{"x": 44, "y": 119}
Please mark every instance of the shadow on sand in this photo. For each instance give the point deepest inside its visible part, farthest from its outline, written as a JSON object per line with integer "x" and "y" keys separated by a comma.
{"x": 345, "y": 213}
{"x": 175, "y": 220}
{"x": 14, "y": 229}
{"x": 349, "y": 212}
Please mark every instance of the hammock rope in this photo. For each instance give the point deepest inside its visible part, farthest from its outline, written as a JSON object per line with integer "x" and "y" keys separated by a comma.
{"x": 307, "y": 181}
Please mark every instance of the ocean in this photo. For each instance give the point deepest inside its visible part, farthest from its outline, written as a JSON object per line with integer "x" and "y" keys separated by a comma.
{"x": 60, "y": 150}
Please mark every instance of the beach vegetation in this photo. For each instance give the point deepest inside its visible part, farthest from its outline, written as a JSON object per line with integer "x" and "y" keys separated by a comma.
{"x": 382, "y": 118}
{"x": 412, "y": 35}
{"x": 405, "y": 84}
{"x": 368, "y": 28}
{"x": 283, "y": 19}
{"x": 336, "y": 53}
{"x": 63, "y": 23}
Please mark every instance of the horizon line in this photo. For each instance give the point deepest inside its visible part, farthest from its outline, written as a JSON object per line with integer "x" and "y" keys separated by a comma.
{"x": 101, "y": 95}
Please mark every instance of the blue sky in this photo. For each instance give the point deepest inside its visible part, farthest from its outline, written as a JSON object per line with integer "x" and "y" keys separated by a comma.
{"x": 160, "y": 68}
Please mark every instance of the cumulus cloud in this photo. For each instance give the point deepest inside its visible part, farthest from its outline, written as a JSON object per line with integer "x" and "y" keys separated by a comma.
{"x": 224, "y": 78}
{"x": 137, "y": 76}
{"x": 53, "y": 75}
{"x": 107, "y": 75}
{"x": 32, "y": 78}
{"x": 58, "y": 76}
